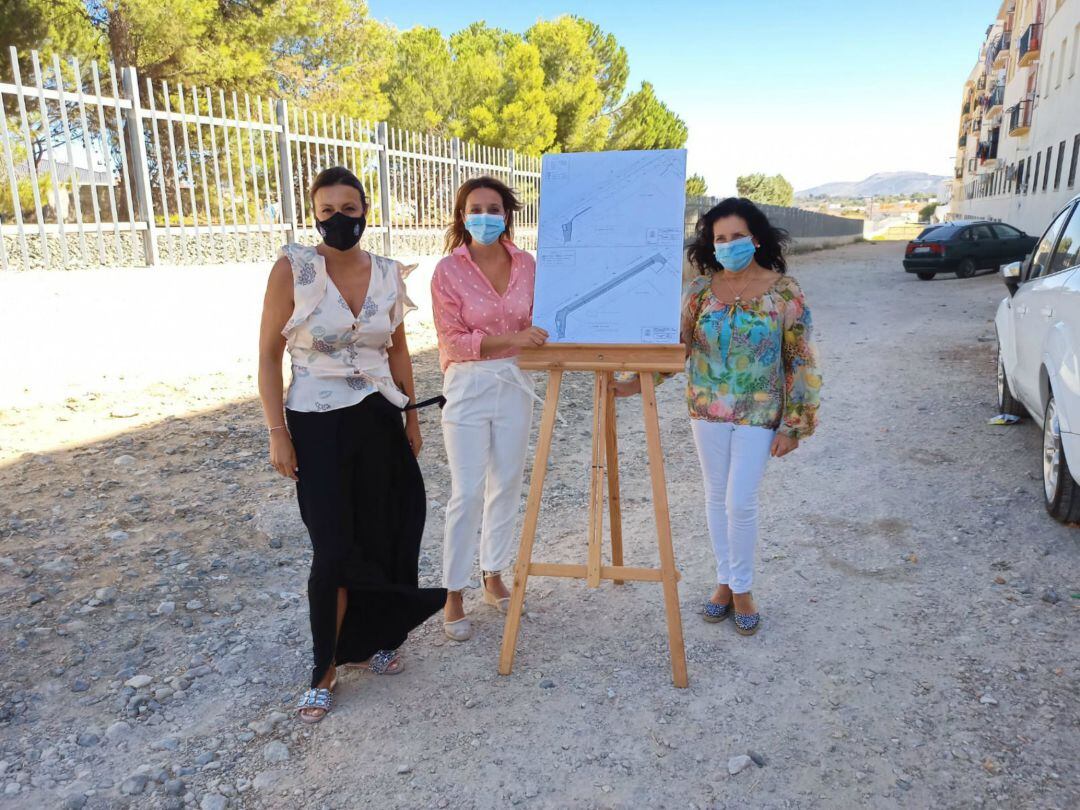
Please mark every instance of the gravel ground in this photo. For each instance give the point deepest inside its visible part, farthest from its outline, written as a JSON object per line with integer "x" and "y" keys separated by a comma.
{"x": 919, "y": 645}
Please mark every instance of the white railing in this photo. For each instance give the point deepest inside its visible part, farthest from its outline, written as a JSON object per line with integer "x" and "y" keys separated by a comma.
{"x": 109, "y": 170}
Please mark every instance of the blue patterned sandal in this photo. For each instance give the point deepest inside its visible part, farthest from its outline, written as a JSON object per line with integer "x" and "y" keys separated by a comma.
{"x": 314, "y": 700}
{"x": 746, "y": 624}
{"x": 384, "y": 662}
{"x": 714, "y": 613}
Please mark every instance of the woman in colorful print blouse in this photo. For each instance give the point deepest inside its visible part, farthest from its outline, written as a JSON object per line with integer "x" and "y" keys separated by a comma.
{"x": 753, "y": 383}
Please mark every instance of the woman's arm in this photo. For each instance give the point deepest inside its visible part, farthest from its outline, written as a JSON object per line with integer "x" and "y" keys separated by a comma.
{"x": 802, "y": 375}
{"x": 401, "y": 371}
{"x": 277, "y": 309}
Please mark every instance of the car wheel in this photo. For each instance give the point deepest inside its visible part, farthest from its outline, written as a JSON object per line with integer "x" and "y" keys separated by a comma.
{"x": 966, "y": 268}
{"x": 1007, "y": 403}
{"x": 925, "y": 276}
{"x": 1061, "y": 491}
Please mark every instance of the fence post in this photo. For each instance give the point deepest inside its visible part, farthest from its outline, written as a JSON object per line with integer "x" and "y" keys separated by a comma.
{"x": 455, "y": 172}
{"x": 513, "y": 173}
{"x": 384, "y": 184}
{"x": 285, "y": 181}
{"x": 139, "y": 166}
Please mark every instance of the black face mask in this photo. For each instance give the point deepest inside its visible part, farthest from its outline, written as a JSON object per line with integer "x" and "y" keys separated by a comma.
{"x": 341, "y": 232}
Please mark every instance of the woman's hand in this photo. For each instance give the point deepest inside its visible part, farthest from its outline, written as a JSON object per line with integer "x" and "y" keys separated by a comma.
{"x": 627, "y": 388}
{"x": 283, "y": 454}
{"x": 529, "y": 338}
{"x": 782, "y": 445}
{"x": 412, "y": 433}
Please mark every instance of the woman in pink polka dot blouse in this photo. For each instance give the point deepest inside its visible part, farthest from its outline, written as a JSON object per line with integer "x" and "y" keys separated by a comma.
{"x": 482, "y": 297}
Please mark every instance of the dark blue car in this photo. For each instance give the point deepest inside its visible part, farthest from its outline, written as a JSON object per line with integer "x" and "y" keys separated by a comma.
{"x": 965, "y": 248}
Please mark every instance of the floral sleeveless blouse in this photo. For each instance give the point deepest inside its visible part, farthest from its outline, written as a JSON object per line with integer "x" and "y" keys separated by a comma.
{"x": 338, "y": 359}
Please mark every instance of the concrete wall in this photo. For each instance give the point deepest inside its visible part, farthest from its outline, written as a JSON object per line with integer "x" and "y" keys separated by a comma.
{"x": 798, "y": 223}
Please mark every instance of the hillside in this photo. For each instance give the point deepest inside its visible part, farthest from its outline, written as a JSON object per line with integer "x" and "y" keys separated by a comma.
{"x": 883, "y": 184}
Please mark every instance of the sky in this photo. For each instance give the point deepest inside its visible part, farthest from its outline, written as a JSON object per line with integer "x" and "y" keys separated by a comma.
{"x": 833, "y": 90}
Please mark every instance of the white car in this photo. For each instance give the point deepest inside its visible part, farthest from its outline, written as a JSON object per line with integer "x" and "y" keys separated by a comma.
{"x": 1038, "y": 367}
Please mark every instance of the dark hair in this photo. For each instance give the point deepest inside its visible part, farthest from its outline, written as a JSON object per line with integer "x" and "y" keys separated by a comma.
{"x": 337, "y": 176}
{"x": 771, "y": 241}
{"x": 456, "y": 235}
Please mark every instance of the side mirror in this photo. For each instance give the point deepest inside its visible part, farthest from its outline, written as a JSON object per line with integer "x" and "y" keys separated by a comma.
{"x": 1010, "y": 274}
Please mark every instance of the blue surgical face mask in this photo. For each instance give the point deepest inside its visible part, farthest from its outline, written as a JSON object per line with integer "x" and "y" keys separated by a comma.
{"x": 736, "y": 254}
{"x": 485, "y": 228}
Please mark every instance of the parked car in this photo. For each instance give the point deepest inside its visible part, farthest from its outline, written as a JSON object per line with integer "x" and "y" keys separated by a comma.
{"x": 1038, "y": 330}
{"x": 965, "y": 248}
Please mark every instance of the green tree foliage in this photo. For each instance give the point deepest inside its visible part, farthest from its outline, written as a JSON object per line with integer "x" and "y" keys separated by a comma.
{"x": 927, "y": 211}
{"x": 560, "y": 85}
{"x": 644, "y": 122}
{"x": 418, "y": 86}
{"x": 766, "y": 189}
{"x": 572, "y": 74}
{"x": 696, "y": 186}
{"x": 330, "y": 56}
{"x": 498, "y": 93}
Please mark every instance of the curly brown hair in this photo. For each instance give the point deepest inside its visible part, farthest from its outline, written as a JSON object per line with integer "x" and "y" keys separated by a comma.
{"x": 771, "y": 240}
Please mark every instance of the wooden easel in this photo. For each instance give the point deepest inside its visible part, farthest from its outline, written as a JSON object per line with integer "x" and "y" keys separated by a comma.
{"x": 603, "y": 361}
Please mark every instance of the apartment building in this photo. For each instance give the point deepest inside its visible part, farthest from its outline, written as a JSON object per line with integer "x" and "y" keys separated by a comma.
{"x": 1018, "y": 148}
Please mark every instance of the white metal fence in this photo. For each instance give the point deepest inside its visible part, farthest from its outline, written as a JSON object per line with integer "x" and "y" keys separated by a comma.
{"x": 112, "y": 170}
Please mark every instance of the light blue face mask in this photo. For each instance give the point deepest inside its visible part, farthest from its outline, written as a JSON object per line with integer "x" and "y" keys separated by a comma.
{"x": 485, "y": 228}
{"x": 736, "y": 254}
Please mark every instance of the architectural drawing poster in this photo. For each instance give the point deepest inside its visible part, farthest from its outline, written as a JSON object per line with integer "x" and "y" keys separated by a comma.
{"x": 609, "y": 252}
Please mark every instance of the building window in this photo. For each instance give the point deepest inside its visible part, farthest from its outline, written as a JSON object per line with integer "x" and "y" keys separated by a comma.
{"x": 1019, "y": 184}
{"x": 1076, "y": 50}
{"x": 1060, "y": 163}
{"x": 1061, "y": 65}
{"x": 1075, "y": 158}
{"x": 1046, "y": 174}
{"x": 1035, "y": 176}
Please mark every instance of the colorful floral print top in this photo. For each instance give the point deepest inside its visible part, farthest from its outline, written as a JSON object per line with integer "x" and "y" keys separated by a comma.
{"x": 752, "y": 363}
{"x": 338, "y": 359}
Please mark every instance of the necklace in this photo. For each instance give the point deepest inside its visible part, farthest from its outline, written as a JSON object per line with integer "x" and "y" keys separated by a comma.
{"x": 738, "y": 295}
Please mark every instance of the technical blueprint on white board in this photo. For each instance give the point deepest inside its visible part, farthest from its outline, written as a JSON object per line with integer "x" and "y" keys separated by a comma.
{"x": 609, "y": 253}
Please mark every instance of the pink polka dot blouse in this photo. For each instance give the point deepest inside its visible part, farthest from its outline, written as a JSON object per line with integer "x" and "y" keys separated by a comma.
{"x": 467, "y": 308}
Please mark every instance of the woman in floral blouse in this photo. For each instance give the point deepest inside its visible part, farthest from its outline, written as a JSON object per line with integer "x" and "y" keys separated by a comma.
{"x": 753, "y": 383}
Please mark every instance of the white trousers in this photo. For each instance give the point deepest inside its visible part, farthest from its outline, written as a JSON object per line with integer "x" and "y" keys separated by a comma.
{"x": 733, "y": 459}
{"x": 486, "y": 430}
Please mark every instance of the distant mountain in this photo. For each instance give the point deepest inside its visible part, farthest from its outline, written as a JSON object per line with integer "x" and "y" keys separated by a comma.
{"x": 883, "y": 184}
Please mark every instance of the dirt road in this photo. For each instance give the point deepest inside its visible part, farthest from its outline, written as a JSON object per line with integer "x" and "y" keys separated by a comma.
{"x": 919, "y": 649}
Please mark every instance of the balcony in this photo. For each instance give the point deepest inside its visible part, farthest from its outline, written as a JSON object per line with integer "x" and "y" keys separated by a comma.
{"x": 1020, "y": 118}
{"x": 992, "y": 103}
{"x": 1001, "y": 58}
{"x": 1030, "y": 43}
{"x": 986, "y": 152}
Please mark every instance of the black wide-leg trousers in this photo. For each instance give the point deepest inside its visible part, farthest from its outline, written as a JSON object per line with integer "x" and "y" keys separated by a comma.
{"x": 362, "y": 499}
